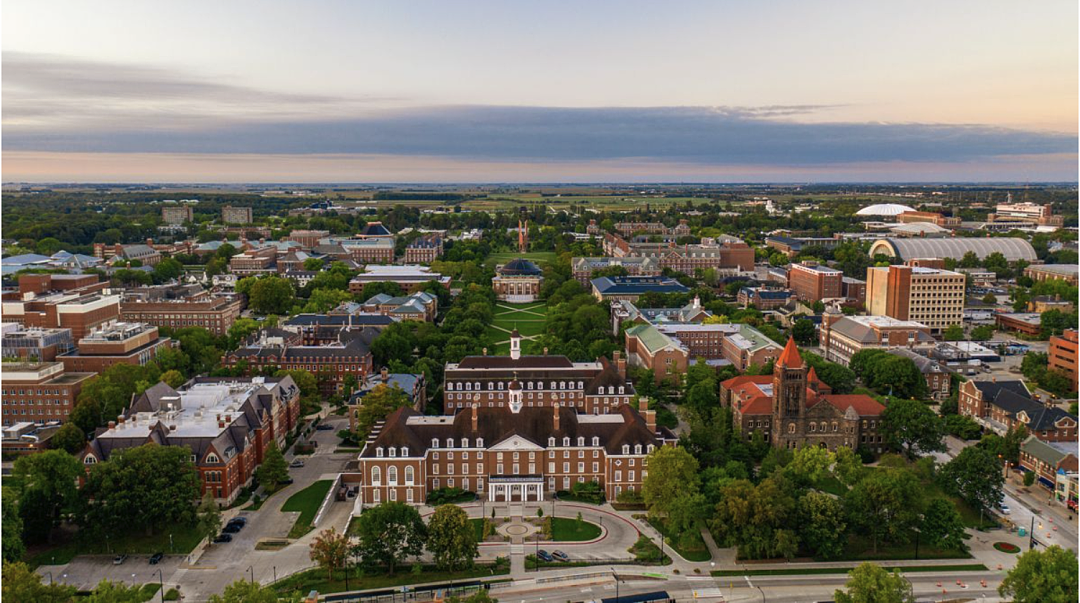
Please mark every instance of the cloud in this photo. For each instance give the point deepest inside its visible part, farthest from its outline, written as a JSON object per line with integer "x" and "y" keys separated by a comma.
{"x": 57, "y": 104}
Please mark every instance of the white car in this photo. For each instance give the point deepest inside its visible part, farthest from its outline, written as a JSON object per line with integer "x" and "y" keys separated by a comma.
{"x": 1004, "y": 509}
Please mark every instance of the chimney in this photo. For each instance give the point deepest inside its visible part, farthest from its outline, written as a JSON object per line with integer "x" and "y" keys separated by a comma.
{"x": 485, "y": 351}
{"x": 220, "y": 424}
{"x": 555, "y": 415}
{"x": 475, "y": 417}
{"x": 150, "y": 242}
{"x": 643, "y": 404}
{"x": 650, "y": 419}
{"x": 112, "y": 424}
{"x": 545, "y": 351}
{"x": 385, "y": 374}
{"x": 120, "y": 419}
{"x": 620, "y": 364}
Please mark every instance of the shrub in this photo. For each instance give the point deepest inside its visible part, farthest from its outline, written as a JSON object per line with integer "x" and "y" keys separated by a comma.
{"x": 630, "y": 497}
{"x": 588, "y": 492}
{"x": 444, "y": 496}
{"x": 1029, "y": 478}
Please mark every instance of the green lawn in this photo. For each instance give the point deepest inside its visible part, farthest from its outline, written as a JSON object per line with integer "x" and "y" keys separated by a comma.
{"x": 564, "y": 529}
{"x": 317, "y": 579}
{"x": 692, "y": 548}
{"x": 307, "y": 502}
{"x": 529, "y": 319}
{"x": 536, "y": 257}
{"x": 970, "y": 567}
{"x": 861, "y": 548}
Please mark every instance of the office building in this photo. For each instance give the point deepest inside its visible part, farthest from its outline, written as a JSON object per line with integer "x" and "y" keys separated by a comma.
{"x": 1061, "y": 355}
{"x": 39, "y": 392}
{"x": 929, "y": 296}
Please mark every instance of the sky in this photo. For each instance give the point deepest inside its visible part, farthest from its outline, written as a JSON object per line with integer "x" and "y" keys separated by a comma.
{"x": 471, "y": 91}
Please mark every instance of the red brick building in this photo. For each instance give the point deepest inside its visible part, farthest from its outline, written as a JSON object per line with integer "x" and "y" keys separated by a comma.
{"x": 1002, "y": 405}
{"x": 52, "y": 301}
{"x": 793, "y": 408}
{"x": 39, "y": 392}
{"x": 648, "y": 348}
{"x": 813, "y": 282}
{"x": 507, "y": 453}
{"x": 227, "y": 423}
{"x": 330, "y": 363}
{"x": 215, "y": 314}
{"x": 424, "y": 250}
{"x": 1061, "y": 355}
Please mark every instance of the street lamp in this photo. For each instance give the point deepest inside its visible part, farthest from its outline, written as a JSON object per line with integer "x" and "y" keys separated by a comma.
{"x": 161, "y": 584}
{"x": 252, "y": 570}
{"x": 133, "y": 580}
{"x": 50, "y": 578}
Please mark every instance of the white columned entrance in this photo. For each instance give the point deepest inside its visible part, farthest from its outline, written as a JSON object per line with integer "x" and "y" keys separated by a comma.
{"x": 515, "y": 489}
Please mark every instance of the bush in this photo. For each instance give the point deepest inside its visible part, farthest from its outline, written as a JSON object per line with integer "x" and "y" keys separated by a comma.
{"x": 630, "y": 497}
{"x": 589, "y": 492}
{"x": 962, "y": 427}
{"x": 645, "y": 550}
{"x": 444, "y": 496}
{"x": 1029, "y": 478}
{"x": 172, "y": 595}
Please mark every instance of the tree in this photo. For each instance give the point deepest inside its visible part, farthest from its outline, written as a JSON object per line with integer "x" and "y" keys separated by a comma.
{"x": 243, "y": 591}
{"x": 1029, "y": 479}
{"x": 989, "y": 299}
{"x": 273, "y": 469}
{"x": 209, "y": 514}
{"x": 240, "y": 330}
{"x": 376, "y": 405}
{"x": 389, "y": 534}
{"x": 47, "y": 489}
{"x": 871, "y": 583}
{"x": 822, "y": 526}
{"x": 672, "y": 474}
{"x": 12, "y": 526}
{"x": 757, "y": 519}
{"x": 330, "y": 550}
{"x": 982, "y": 333}
{"x": 271, "y": 295}
{"x": 954, "y": 333}
{"x": 804, "y": 331}
{"x": 22, "y": 584}
{"x": 810, "y": 464}
{"x": 451, "y": 538}
{"x": 167, "y": 269}
{"x": 1042, "y": 576}
{"x": 884, "y": 504}
{"x": 911, "y": 426}
{"x": 69, "y": 438}
{"x": 115, "y": 592}
{"x": 173, "y": 378}
{"x": 942, "y": 526}
{"x": 976, "y": 476}
{"x": 145, "y": 488}
{"x": 848, "y": 467}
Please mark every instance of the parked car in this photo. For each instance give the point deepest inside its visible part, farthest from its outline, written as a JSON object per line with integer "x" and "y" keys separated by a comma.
{"x": 156, "y": 558}
{"x": 119, "y": 559}
{"x": 1005, "y": 510}
{"x": 239, "y": 520}
{"x": 231, "y": 528}
{"x": 560, "y": 556}
{"x": 222, "y": 538}
{"x": 544, "y": 556}
{"x": 324, "y": 427}
{"x": 296, "y": 463}
{"x": 286, "y": 481}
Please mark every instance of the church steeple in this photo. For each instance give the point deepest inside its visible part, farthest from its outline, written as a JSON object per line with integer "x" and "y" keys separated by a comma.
{"x": 790, "y": 357}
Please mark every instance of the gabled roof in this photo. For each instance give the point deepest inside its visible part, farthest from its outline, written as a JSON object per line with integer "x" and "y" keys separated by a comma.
{"x": 864, "y": 405}
{"x": 1043, "y": 451}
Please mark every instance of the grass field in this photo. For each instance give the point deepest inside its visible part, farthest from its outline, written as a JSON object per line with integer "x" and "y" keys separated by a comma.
{"x": 306, "y": 502}
{"x": 692, "y": 549}
{"x": 183, "y": 540}
{"x": 537, "y": 257}
{"x": 528, "y": 319}
{"x": 569, "y": 530}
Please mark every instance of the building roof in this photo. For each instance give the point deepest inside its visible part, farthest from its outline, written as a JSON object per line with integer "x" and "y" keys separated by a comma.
{"x": 790, "y": 357}
{"x": 884, "y": 209}
{"x": 924, "y": 364}
{"x": 864, "y": 328}
{"x": 375, "y": 229}
{"x": 914, "y": 248}
{"x": 653, "y": 340}
{"x": 635, "y": 285}
{"x": 1045, "y": 452}
{"x": 519, "y": 267}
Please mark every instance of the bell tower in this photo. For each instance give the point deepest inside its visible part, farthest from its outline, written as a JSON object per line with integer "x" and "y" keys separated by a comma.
{"x": 789, "y": 396}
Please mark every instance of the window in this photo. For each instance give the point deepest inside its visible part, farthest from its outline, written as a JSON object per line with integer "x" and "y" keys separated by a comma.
{"x": 89, "y": 460}
{"x": 404, "y": 451}
{"x": 376, "y": 476}
{"x": 581, "y": 441}
{"x": 212, "y": 458}
{"x": 391, "y": 476}
{"x": 409, "y": 480}
{"x": 618, "y": 475}
{"x": 626, "y": 448}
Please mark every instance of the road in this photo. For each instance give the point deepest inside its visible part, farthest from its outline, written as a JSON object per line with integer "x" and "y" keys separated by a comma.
{"x": 1054, "y": 524}
{"x": 789, "y": 589}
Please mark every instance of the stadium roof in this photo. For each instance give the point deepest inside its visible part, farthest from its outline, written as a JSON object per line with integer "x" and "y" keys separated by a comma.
{"x": 884, "y": 209}
{"x": 906, "y": 249}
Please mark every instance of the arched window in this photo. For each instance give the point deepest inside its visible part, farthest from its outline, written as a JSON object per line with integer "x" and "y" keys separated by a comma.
{"x": 409, "y": 476}
{"x": 595, "y": 440}
{"x": 376, "y": 476}
{"x": 791, "y": 428}
{"x": 626, "y": 448}
{"x": 404, "y": 451}
{"x": 212, "y": 458}
{"x": 391, "y": 475}
{"x": 89, "y": 460}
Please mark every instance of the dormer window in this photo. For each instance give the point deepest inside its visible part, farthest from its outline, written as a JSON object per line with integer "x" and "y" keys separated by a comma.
{"x": 637, "y": 448}
{"x": 551, "y": 441}
{"x": 393, "y": 451}
{"x": 622, "y": 389}
{"x": 530, "y": 384}
{"x": 650, "y": 448}
{"x": 434, "y": 442}
{"x": 90, "y": 460}
{"x": 566, "y": 441}
{"x": 476, "y": 386}
{"x": 464, "y": 442}
{"x": 449, "y": 442}
{"x": 581, "y": 440}
{"x": 379, "y": 452}
{"x": 404, "y": 451}
{"x": 212, "y": 458}
{"x": 626, "y": 448}
{"x": 479, "y": 442}
{"x": 500, "y": 385}
{"x": 468, "y": 386}
{"x": 595, "y": 441}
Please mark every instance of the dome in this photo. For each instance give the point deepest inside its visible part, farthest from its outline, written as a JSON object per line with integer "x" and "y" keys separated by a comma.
{"x": 519, "y": 267}
{"x": 884, "y": 209}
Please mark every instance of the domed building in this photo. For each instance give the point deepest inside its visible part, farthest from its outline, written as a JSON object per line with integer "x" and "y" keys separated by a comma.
{"x": 518, "y": 281}
{"x": 889, "y": 210}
